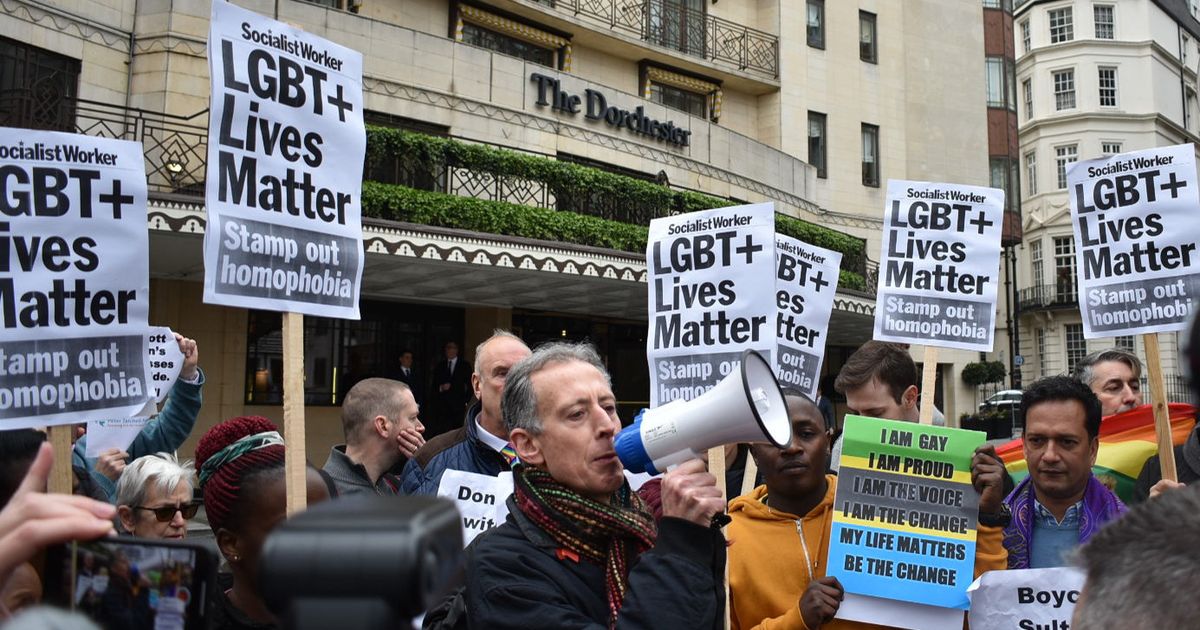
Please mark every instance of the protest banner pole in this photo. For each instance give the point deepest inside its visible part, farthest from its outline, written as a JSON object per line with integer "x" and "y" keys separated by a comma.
{"x": 750, "y": 474}
{"x": 60, "y": 473}
{"x": 928, "y": 383}
{"x": 293, "y": 412}
{"x": 1162, "y": 419}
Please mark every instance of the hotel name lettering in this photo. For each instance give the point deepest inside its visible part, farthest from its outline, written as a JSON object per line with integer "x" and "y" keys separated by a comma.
{"x": 596, "y": 107}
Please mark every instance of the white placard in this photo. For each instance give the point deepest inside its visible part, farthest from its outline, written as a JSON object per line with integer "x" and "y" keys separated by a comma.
{"x": 1136, "y": 232}
{"x": 806, "y": 280}
{"x": 1025, "y": 598}
{"x": 285, "y": 156}
{"x": 894, "y": 613}
{"x": 482, "y": 501}
{"x": 710, "y": 297}
{"x": 165, "y": 361}
{"x": 940, "y": 264}
{"x": 105, "y": 434}
{"x": 74, "y": 278}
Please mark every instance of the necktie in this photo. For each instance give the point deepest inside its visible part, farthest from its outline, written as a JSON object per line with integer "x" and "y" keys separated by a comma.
{"x": 406, "y": 374}
{"x": 509, "y": 455}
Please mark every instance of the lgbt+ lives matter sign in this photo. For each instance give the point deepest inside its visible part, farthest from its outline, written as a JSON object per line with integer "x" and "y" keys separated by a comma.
{"x": 905, "y": 512}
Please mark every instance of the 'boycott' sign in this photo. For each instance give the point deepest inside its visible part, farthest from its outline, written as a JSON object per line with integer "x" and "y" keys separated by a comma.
{"x": 931, "y": 291}
{"x": 74, "y": 278}
{"x": 285, "y": 157}
{"x": 805, "y": 283}
{"x": 708, "y": 302}
{"x": 1135, "y": 240}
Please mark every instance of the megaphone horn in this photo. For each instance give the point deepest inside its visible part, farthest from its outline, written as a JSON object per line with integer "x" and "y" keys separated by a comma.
{"x": 746, "y": 406}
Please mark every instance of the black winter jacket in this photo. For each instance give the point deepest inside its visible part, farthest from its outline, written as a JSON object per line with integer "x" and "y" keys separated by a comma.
{"x": 516, "y": 579}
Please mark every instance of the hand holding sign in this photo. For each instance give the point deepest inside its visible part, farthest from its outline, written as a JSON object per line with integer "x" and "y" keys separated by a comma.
{"x": 987, "y": 475}
{"x": 168, "y": 359}
{"x": 821, "y": 600}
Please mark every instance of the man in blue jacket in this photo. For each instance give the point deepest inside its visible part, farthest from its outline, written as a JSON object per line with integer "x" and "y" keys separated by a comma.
{"x": 481, "y": 445}
{"x": 164, "y": 433}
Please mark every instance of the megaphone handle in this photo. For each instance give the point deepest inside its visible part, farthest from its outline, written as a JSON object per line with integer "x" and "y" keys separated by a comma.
{"x": 720, "y": 520}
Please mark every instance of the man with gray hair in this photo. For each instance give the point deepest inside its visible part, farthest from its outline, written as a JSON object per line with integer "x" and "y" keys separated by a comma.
{"x": 1115, "y": 376}
{"x": 381, "y": 425}
{"x": 154, "y": 496}
{"x": 1141, "y": 569}
{"x": 579, "y": 548}
{"x": 480, "y": 446}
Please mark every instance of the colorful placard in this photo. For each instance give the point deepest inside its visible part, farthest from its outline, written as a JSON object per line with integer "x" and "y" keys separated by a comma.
{"x": 905, "y": 512}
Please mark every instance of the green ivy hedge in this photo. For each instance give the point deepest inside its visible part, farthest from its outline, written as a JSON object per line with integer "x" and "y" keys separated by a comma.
{"x": 386, "y": 143}
{"x": 400, "y": 203}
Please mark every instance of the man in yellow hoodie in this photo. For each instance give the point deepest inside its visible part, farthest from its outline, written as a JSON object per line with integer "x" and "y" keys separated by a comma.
{"x": 779, "y": 537}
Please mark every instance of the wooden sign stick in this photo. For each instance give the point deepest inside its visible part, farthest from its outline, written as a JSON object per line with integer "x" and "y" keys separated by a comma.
{"x": 928, "y": 384}
{"x": 1162, "y": 418}
{"x": 293, "y": 413}
{"x": 62, "y": 480}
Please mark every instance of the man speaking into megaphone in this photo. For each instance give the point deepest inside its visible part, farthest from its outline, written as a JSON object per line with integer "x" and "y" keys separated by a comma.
{"x": 580, "y": 548}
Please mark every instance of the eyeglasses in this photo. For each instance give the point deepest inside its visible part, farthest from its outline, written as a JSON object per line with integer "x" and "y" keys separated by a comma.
{"x": 167, "y": 512}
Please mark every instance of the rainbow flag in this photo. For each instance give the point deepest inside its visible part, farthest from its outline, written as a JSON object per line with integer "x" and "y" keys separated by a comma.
{"x": 1126, "y": 441}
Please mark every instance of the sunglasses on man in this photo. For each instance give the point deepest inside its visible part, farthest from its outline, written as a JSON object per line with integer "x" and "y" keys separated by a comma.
{"x": 167, "y": 512}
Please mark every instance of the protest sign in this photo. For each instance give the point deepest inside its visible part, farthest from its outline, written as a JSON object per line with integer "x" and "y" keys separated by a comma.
{"x": 116, "y": 433}
{"x": 931, "y": 291}
{"x": 165, "y": 361}
{"x": 482, "y": 501}
{"x": 905, "y": 512}
{"x": 805, "y": 282}
{"x": 1134, "y": 216}
{"x": 708, "y": 298}
{"x": 1026, "y": 599}
{"x": 74, "y": 278}
{"x": 284, "y": 168}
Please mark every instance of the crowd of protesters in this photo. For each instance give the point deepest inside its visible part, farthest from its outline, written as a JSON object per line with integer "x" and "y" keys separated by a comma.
{"x": 582, "y": 547}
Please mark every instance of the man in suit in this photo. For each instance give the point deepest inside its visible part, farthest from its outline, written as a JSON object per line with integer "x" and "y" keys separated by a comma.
{"x": 408, "y": 375}
{"x": 451, "y": 390}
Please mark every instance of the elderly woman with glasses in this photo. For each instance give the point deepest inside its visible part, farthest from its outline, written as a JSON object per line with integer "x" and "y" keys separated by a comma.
{"x": 154, "y": 497}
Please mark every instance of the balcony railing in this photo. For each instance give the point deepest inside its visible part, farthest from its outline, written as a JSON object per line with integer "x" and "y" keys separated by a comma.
{"x": 690, "y": 31}
{"x": 1048, "y": 296}
{"x": 175, "y": 146}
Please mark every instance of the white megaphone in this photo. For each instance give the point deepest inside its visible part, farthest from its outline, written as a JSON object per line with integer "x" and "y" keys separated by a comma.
{"x": 746, "y": 406}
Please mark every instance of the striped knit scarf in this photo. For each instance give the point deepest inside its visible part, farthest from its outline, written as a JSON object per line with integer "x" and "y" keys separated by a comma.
{"x": 611, "y": 536}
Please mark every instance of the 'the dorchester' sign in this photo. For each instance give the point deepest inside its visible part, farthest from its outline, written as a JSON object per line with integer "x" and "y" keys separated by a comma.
{"x": 550, "y": 94}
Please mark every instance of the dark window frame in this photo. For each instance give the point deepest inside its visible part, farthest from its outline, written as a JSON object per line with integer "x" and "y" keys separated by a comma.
{"x": 38, "y": 87}
{"x": 868, "y": 51}
{"x": 821, "y": 159}
{"x": 870, "y": 170}
{"x": 815, "y": 35}
{"x": 495, "y": 41}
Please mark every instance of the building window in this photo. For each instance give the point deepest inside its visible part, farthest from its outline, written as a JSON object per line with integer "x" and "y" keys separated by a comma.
{"x": 995, "y": 81}
{"x": 1004, "y": 177}
{"x": 1103, "y": 14}
{"x": 39, "y": 87}
{"x": 508, "y": 45}
{"x": 1063, "y": 157}
{"x": 684, "y": 100}
{"x": 676, "y": 24}
{"x": 1027, "y": 90}
{"x": 1108, "y": 87}
{"x": 1035, "y": 264}
{"x": 867, "y": 44}
{"x": 1194, "y": 6}
{"x": 1064, "y": 90}
{"x": 1076, "y": 345}
{"x": 1110, "y": 148}
{"x": 1064, "y": 269}
{"x": 1031, "y": 172}
{"x": 340, "y": 352}
{"x": 1025, "y": 42}
{"x": 816, "y": 23}
{"x": 1183, "y": 46}
{"x": 1061, "y": 27}
{"x": 1125, "y": 343}
{"x": 1039, "y": 340}
{"x": 817, "y": 143}
{"x": 870, "y": 155}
